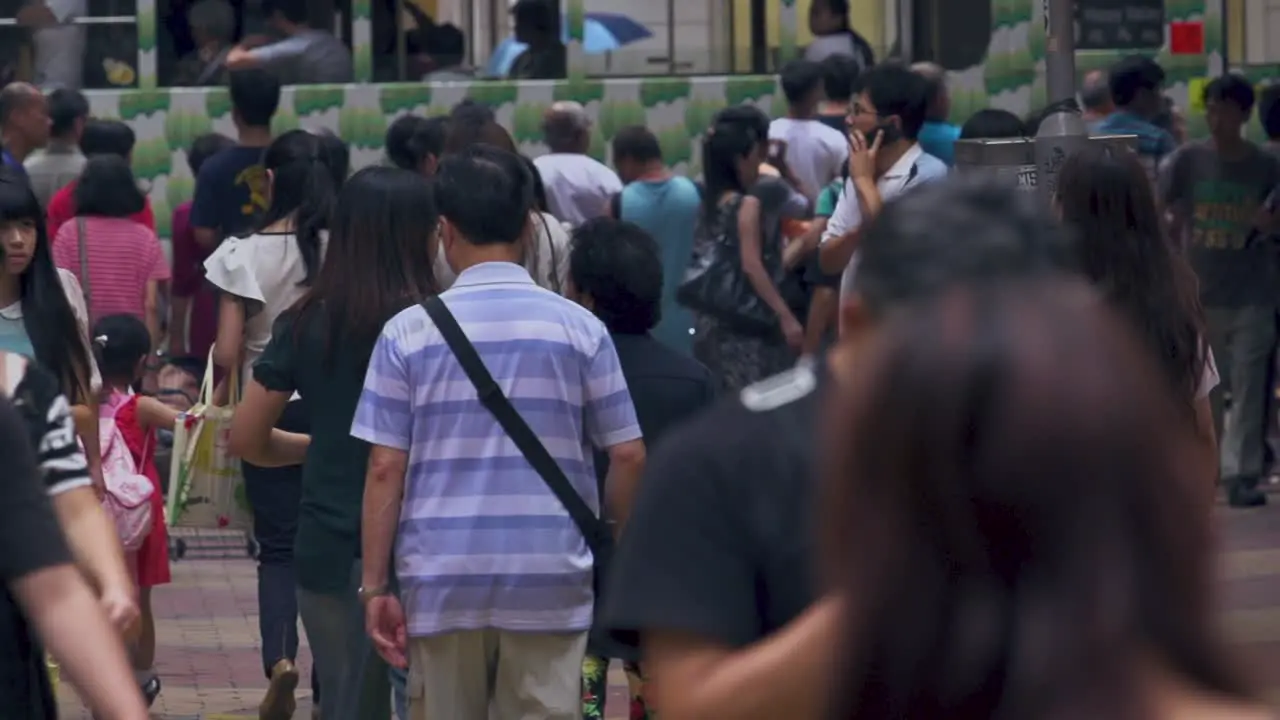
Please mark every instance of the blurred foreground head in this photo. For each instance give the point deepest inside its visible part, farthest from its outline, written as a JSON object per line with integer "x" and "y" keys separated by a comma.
{"x": 1010, "y": 507}
{"x": 941, "y": 235}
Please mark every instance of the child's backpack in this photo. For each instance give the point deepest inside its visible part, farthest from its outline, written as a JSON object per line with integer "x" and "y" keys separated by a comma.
{"x": 128, "y": 496}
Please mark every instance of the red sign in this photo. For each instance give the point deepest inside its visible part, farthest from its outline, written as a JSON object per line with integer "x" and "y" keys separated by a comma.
{"x": 1186, "y": 38}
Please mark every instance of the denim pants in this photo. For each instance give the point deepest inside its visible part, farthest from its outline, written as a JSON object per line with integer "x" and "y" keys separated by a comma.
{"x": 353, "y": 675}
{"x": 1242, "y": 340}
{"x": 274, "y": 495}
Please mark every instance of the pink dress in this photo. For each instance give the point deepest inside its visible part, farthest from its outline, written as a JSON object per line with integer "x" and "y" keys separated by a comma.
{"x": 152, "y": 559}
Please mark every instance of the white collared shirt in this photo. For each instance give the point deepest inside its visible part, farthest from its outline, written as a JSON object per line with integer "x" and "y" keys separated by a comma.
{"x": 913, "y": 168}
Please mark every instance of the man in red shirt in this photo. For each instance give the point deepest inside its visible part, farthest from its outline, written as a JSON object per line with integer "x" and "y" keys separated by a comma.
{"x": 100, "y": 137}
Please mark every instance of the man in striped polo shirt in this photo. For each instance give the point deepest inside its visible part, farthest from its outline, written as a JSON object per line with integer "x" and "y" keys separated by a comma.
{"x": 495, "y": 578}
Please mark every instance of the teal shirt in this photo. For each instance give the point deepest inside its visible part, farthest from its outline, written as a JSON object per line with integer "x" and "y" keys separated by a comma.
{"x": 668, "y": 210}
{"x": 939, "y": 140}
{"x": 13, "y": 336}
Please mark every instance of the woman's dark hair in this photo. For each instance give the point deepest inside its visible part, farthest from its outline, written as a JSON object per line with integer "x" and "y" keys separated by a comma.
{"x": 107, "y": 137}
{"x": 411, "y": 139}
{"x": 992, "y": 124}
{"x": 378, "y": 259}
{"x": 1018, "y": 522}
{"x": 46, "y": 313}
{"x": 120, "y": 342}
{"x": 471, "y": 123}
{"x": 723, "y": 147}
{"x": 335, "y": 154}
{"x": 539, "y": 190}
{"x": 1107, "y": 200}
{"x": 107, "y": 188}
{"x": 205, "y": 147}
{"x": 302, "y": 188}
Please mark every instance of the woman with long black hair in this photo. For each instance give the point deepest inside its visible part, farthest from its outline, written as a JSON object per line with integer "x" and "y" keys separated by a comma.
{"x": 378, "y": 263}
{"x": 732, "y": 153}
{"x": 260, "y": 276}
{"x": 1014, "y": 520}
{"x": 1105, "y": 197}
{"x": 43, "y": 317}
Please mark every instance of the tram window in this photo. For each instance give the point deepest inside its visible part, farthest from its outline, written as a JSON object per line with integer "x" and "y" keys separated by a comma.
{"x": 92, "y": 46}
{"x": 952, "y": 33}
{"x": 664, "y": 37}
{"x": 456, "y": 40}
{"x": 304, "y": 41}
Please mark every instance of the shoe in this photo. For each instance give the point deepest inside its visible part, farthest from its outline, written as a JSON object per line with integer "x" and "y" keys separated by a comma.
{"x": 1244, "y": 493}
{"x": 151, "y": 689}
{"x": 279, "y": 702}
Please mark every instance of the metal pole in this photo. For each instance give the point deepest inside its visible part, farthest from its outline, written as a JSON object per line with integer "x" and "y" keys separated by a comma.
{"x": 1060, "y": 49}
{"x": 1062, "y": 132}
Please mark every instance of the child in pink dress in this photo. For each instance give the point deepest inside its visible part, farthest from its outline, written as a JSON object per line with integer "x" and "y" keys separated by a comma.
{"x": 122, "y": 345}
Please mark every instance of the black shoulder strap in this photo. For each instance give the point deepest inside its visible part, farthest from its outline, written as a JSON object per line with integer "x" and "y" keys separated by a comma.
{"x": 615, "y": 206}
{"x": 491, "y": 396}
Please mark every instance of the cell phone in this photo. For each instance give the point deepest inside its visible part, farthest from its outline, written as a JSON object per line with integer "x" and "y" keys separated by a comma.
{"x": 889, "y": 130}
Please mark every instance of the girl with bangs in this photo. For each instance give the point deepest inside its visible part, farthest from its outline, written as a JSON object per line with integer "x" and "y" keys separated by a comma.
{"x": 43, "y": 319}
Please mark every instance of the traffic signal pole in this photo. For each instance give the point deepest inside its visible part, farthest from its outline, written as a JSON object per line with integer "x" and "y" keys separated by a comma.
{"x": 1062, "y": 132}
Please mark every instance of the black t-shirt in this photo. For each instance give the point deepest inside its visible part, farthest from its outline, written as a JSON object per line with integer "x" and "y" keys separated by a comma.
{"x": 231, "y": 191}
{"x": 297, "y": 360}
{"x": 719, "y": 544}
{"x": 666, "y": 387}
{"x": 47, "y": 415}
{"x": 30, "y": 541}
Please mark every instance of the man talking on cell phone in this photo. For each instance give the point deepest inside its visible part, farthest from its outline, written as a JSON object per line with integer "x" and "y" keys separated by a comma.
{"x": 890, "y": 103}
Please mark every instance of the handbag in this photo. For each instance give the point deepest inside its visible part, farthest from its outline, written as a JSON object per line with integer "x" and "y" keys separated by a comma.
{"x": 594, "y": 530}
{"x": 716, "y": 285}
{"x": 84, "y": 264}
{"x": 206, "y": 482}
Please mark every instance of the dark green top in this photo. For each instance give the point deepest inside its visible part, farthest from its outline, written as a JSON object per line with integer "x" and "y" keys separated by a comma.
{"x": 296, "y": 360}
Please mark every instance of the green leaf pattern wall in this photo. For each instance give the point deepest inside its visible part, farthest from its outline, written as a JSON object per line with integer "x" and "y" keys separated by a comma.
{"x": 677, "y": 109}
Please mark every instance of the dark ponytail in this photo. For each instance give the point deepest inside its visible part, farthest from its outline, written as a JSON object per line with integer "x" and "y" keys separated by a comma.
{"x": 725, "y": 143}
{"x": 862, "y": 51}
{"x": 303, "y": 187}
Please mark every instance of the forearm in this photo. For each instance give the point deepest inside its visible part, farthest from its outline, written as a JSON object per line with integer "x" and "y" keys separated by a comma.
{"x": 821, "y": 311}
{"x": 278, "y": 449}
{"x": 783, "y": 676}
{"x": 764, "y": 287}
{"x": 178, "y": 310}
{"x": 869, "y": 199}
{"x": 383, "y": 493}
{"x": 92, "y": 538}
{"x": 87, "y": 648}
{"x": 152, "y": 321}
{"x": 620, "y": 491}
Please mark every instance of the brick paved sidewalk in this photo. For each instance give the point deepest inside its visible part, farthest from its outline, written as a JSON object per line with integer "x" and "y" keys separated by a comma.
{"x": 207, "y": 647}
{"x": 208, "y": 627}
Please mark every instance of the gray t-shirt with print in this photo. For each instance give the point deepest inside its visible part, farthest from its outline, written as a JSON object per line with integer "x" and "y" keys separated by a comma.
{"x": 1220, "y": 199}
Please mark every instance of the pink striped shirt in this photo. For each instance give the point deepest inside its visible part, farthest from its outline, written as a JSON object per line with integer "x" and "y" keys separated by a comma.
{"x": 122, "y": 257}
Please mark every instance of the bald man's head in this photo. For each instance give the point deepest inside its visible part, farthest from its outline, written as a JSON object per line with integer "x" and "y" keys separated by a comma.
{"x": 566, "y": 128}
{"x": 1095, "y": 93}
{"x": 24, "y": 118}
{"x": 14, "y": 97}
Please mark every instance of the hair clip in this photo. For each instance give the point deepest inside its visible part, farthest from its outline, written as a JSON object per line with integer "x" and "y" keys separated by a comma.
{"x": 100, "y": 341}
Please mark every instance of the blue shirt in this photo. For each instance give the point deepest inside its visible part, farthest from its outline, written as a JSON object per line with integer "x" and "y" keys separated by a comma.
{"x": 1154, "y": 142}
{"x": 939, "y": 140}
{"x": 231, "y": 191}
{"x": 668, "y": 210}
{"x": 482, "y": 542}
{"x": 12, "y": 163}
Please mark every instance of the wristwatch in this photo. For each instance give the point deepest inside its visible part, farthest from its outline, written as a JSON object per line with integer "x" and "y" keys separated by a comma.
{"x": 365, "y": 594}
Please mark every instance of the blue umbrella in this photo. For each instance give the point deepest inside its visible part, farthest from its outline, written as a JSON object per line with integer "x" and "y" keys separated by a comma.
{"x": 602, "y": 33}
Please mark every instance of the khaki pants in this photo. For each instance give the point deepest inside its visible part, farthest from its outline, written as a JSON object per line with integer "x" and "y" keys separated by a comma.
{"x": 482, "y": 674}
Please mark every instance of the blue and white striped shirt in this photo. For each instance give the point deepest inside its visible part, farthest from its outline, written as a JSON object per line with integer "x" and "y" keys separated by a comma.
{"x": 482, "y": 542}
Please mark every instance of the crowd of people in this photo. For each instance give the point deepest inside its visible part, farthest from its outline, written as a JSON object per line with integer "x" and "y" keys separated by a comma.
{"x": 828, "y": 433}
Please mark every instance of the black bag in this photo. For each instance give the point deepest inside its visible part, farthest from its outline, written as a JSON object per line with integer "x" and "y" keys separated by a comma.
{"x": 597, "y": 532}
{"x": 716, "y": 285}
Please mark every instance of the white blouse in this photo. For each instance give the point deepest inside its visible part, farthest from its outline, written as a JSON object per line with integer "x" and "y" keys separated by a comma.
{"x": 265, "y": 270}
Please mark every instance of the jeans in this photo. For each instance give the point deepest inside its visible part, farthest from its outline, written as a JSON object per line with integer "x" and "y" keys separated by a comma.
{"x": 352, "y": 673}
{"x": 1242, "y": 340}
{"x": 274, "y": 495}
